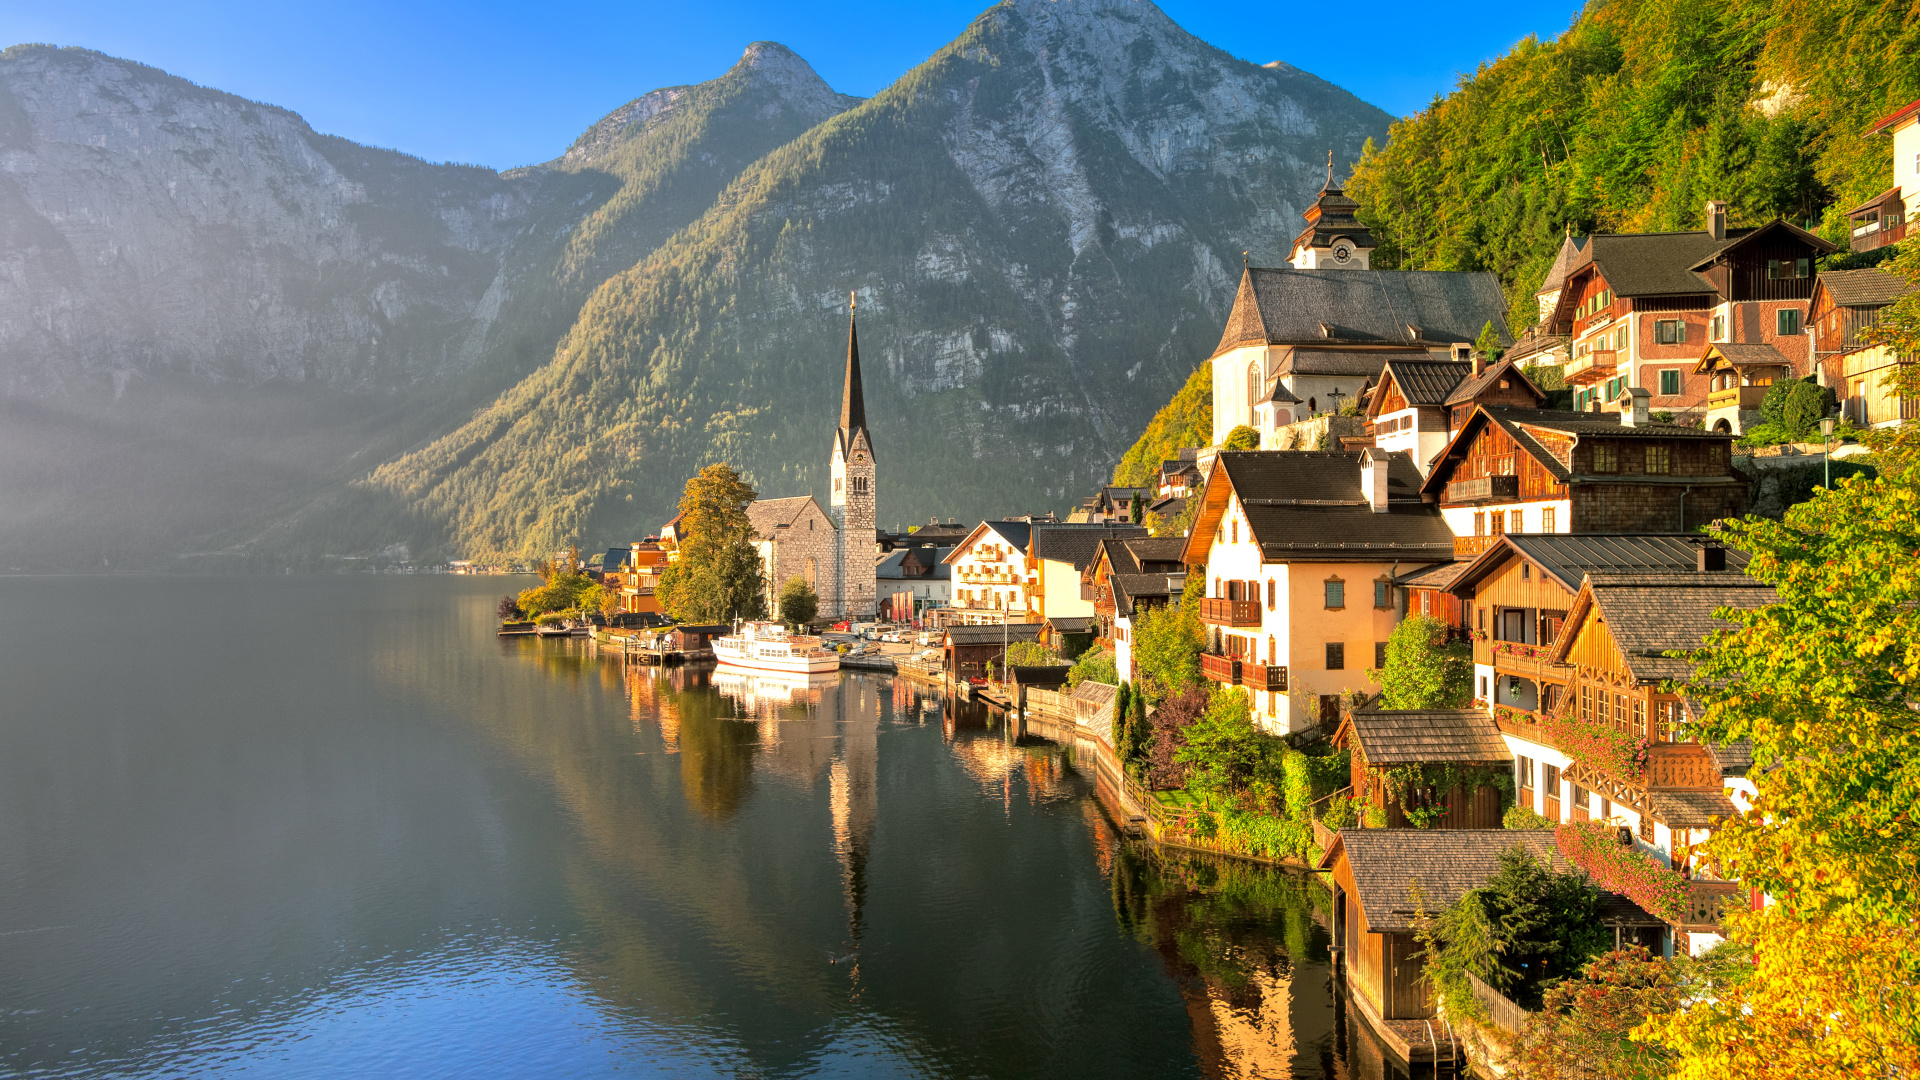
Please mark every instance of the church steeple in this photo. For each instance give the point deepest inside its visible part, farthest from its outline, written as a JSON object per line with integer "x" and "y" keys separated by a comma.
{"x": 853, "y": 402}
{"x": 1334, "y": 238}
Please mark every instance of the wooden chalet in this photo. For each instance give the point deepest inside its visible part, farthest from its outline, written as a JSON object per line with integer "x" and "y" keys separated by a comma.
{"x": 1130, "y": 556}
{"x": 1420, "y": 403}
{"x": 1532, "y": 471}
{"x": 969, "y": 651}
{"x": 1738, "y": 377}
{"x": 1378, "y": 740}
{"x": 1637, "y": 307}
{"x": 1846, "y": 304}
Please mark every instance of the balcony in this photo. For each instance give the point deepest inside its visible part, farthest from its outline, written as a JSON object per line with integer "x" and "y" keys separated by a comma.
{"x": 1466, "y": 547}
{"x": 1270, "y": 677}
{"x": 1874, "y": 234}
{"x": 1744, "y": 398}
{"x": 1220, "y": 669}
{"x": 1217, "y": 612}
{"x": 1526, "y": 661}
{"x": 1592, "y": 367}
{"x": 1482, "y": 489}
{"x": 1706, "y": 900}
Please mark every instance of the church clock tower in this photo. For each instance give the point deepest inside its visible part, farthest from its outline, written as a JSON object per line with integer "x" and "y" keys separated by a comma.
{"x": 851, "y": 503}
{"x": 1334, "y": 238}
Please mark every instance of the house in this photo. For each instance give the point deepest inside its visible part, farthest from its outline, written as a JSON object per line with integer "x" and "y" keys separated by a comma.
{"x": 690, "y": 638}
{"x": 1383, "y": 879}
{"x": 1847, "y": 303}
{"x": 1639, "y": 307}
{"x": 1133, "y": 596}
{"x": 1883, "y": 219}
{"x": 1059, "y": 557}
{"x": 969, "y": 651}
{"x": 1420, "y": 404}
{"x": 1147, "y": 556}
{"x": 1118, "y": 504}
{"x": 1516, "y": 594}
{"x": 1297, "y": 552}
{"x": 635, "y": 572}
{"x": 1310, "y": 337}
{"x": 1532, "y": 471}
{"x": 988, "y": 575}
{"x": 1381, "y": 740}
{"x": 913, "y": 578}
{"x": 1737, "y": 380}
{"x": 1178, "y": 476}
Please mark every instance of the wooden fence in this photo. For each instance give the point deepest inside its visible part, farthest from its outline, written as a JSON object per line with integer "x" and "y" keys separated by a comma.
{"x": 1501, "y": 1010}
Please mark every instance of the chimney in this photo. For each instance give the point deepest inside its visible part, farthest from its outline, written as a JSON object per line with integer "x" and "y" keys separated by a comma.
{"x": 1717, "y": 219}
{"x": 1634, "y": 412}
{"x": 1373, "y": 477}
{"x": 1710, "y": 557}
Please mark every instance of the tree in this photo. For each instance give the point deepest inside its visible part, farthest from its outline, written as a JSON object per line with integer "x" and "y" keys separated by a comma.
{"x": 1032, "y": 654}
{"x": 1424, "y": 669}
{"x": 1524, "y": 929}
{"x": 1095, "y": 664}
{"x": 718, "y": 576}
{"x": 798, "y": 602}
{"x": 1242, "y": 438}
{"x": 1167, "y": 734}
{"x": 1489, "y": 344}
{"x": 1223, "y": 750}
{"x": 1166, "y": 645}
{"x": 508, "y": 608}
{"x": 1585, "y": 1024}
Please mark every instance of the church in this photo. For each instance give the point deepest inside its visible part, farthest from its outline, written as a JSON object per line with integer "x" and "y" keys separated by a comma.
{"x": 1309, "y": 337}
{"x": 833, "y": 549}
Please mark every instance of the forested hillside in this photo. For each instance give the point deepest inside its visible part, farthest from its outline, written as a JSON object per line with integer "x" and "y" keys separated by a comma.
{"x": 1185, "y": 421}
{"x": 1632, "y": 120}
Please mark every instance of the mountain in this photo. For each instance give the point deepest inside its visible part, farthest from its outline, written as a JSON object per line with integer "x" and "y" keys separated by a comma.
{"x": 212, "y": 317}
{"x": 1040, "y": 223}
{"x": 1635, "y": 117}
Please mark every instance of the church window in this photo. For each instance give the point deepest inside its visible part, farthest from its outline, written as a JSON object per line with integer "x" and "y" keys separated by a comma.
{"x": 1253, "y": 393}
{"x": 813, "y": 566}
{"x": 836, "y": 483}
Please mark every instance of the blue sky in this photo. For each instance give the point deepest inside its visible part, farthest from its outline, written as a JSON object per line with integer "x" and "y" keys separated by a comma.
{"x": 511, "y": 84}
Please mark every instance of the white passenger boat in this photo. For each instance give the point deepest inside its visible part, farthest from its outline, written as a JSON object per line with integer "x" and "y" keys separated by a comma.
{"x": 766, "y": 646}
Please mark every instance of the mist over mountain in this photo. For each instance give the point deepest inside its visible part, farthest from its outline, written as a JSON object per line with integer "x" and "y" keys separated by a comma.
{"x": 221, "y": 332}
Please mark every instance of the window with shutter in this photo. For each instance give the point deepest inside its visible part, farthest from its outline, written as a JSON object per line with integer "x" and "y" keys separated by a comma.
{"x": 1380, "y": 655}
{"x": 1336, "y": 656}
{"x": 1336, "y": 594}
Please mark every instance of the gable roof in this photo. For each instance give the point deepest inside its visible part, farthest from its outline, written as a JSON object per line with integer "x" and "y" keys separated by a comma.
{"x": 1131, "y": 589}
{"x": 991, "y": 634}
{"x": 1076, "y": 545}
{"x": 1736, "y": 241}
{"x": 1563, "y": 262}
{"x": 1307, "y": 360}
{"x": 614, "y": 559}
{"x": 1422, "y": 381}
{"x": 1444, "y": 863}
{"x": 1520, "y": 424}
{"x": 1307, "y": 506}
{"x": 1570, "y": 557}
{"x": 1284, "y": 306}
{"x": 1649, "y": 614}
{"x": 1868, "y": 288}
{"x": 1017, "y": 534}
{"x": 1741, "y": 355}
{"x": 1490, "y": 376}
{"x": 1650, "y": 264}
{"x": 766, "y": 515}
{"x": 1419, "y": 736}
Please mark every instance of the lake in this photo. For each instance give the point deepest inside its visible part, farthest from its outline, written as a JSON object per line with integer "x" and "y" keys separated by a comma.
{"x": 292, "y": 827}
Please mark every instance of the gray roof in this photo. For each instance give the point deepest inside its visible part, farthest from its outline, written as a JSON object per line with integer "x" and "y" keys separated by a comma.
{"x": 1130, "y": 589}
{"x": 1472, "y": 386}
{"x": 1284, "y": 306}
{"x": 1751, "y": 354}
{"x": 1070, "y": 624}
{"x": 1132, "y": 555}
{"x": 1017, "y": 533}
{"x": 1426, "y": 381}
{"x": 768, "y": 514}
{"x": 1419, "y": 736}
{"x": 1076, "y": 545}
{"x": 615, "y": 558}
{"x": 1571, "y": 557}
{"x": 1871, "y": 287}
{"x": 1355, "y": 363}
{"x": 1649, "y": 614}
{"x": 1652, "y": 264}
{"x": 1307, "y": 505}
{"x": 992, "y": 635}
{"x": 1563, "y": 262}
{"x": 1444, "y": 863}
{"x": 1437, "y": 576}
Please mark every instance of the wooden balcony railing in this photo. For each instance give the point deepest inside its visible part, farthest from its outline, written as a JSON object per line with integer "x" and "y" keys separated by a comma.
{"x": 1466, "y": 547}
{"x": 1483, "y": 489}
{"x": 1875, "y": 235}
{"x": 1592, "y": 367}
{"x": 1707, "y": 901}
{"x": 1218, "y": 612}
{"x": 1746, "y": 398}
{"x": 1220, "y": 669}
{"x": 1271, "y": 677}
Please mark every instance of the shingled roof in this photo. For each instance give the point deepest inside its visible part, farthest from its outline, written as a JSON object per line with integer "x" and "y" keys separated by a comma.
{"x": 1284, "y": 306}
{"x": 1424, "y": 381}
{"x": 1520, "y": 424}
{"x": 992, "y": 634}
{"x": 1077, "y": 545}
{"x": 1421, "y": 736}
{"x": 1472, "y": 386}
{"x": 1649, "y": 614}
{"x": 1131, "y": 589}
{"x": 1688, "y": 809}
{"x": 1570, "y": 557}
{"x": 1444, "y": 863}
{"x": 1753, "y": 354}
{"x": 768, "y": 514}
{"x": 1868, "y": 288}
{"x": 1307, "y": 360}
{"x": 1307, "y": 505}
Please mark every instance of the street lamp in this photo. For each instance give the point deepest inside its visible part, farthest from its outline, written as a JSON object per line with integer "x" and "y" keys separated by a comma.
{"x": 1826, "y": 459}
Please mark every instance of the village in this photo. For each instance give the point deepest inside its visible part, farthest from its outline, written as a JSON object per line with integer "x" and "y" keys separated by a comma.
{"x": 1426, "y": 598}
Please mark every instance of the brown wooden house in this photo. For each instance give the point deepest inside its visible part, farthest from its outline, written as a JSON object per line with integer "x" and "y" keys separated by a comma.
{"x": 1381, "y": 740}
{"x": 1419, "y": 404}
{"x": 1535, "y": 471}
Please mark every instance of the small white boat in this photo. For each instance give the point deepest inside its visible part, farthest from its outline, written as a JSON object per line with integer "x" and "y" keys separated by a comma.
{"x": 766, "y": 646}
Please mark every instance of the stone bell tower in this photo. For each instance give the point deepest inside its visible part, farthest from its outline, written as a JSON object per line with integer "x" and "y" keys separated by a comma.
{"x": 851, "y": 503}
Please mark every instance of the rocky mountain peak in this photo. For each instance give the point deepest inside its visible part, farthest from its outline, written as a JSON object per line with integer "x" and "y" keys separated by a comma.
{"x": 773, "y": 66}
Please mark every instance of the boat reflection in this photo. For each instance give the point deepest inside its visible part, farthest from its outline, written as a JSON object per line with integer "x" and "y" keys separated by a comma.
{"x": 769, "y": 695}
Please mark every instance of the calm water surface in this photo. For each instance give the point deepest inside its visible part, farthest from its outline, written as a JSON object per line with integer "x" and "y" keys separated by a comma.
{"x": 334, "y": 827}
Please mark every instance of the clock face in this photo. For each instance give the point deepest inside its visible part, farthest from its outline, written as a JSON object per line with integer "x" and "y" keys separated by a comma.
{"x": 1342, "y": 251}
{"x": 859, "y": 458}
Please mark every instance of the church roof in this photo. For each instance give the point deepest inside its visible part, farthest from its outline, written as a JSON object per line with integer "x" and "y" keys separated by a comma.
{"x": 1330, "y": 217}
{"x": 1410, "y": 309}
{"x": 853, "y": 399}
{"x": 767, "y": 515}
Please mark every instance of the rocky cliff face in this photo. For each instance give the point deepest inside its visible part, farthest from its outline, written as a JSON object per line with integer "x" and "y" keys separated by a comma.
{"x": 1042, "y": 223}
{"x": 149, "y": 226}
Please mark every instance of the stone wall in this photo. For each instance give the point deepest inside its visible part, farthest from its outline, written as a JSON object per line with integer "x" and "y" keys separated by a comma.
{"x": 1322, "y": 432}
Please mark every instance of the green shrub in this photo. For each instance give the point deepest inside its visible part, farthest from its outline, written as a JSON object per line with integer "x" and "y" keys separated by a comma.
{"x": 1242, "y": 438}
{"x": 1519, "y": 817}
{"x": 1096, "y": 665}
{"x": 1338, "y": 814}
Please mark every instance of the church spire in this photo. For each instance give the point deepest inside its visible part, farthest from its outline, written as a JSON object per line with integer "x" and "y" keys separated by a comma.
{"x": 853, "y": 403}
